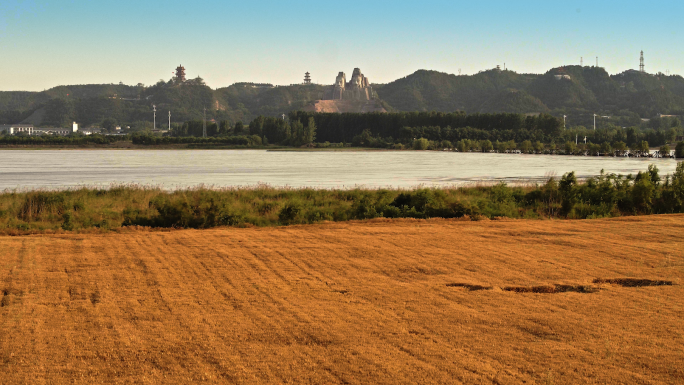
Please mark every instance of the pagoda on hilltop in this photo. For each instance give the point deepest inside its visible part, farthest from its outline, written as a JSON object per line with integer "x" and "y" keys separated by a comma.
{"x": 180, "y": 73}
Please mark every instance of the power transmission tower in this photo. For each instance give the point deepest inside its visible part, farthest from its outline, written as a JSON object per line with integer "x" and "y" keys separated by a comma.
{"x": 204, "y": 124}
{"x": 641, "y": 62}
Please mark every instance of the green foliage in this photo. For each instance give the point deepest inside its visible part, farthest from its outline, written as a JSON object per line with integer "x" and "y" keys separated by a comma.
{"x": 626, "y": 97}
{"x": 407, "y": 126}
{"x": 155, "y": 140}
{"x": 601, "y": 196}
{"x": 679, "y": 150}
{"x": 63, "y": 140}
{"x": 573, "y": 90}
{"x": 420, "y": 144}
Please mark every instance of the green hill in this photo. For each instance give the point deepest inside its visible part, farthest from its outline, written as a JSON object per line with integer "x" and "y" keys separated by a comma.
{"x": 576, "y": 91}
{"x": 514, "y": 101}
{"x": 437, "y": 91}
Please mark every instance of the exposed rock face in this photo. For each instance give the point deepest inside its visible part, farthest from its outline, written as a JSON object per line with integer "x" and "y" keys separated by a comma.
{"x": 353, "y": 96}
{"x": 358, "y": 87}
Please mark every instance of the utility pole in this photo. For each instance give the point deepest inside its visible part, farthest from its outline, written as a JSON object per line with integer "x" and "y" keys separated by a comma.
{"x": 594, "y": 122}
{"x": 204, "y": 124}
{"x": 581, "y": 61}
{"x": 576, "y": 139}
{"x": 564, "y": 126}
{"x": 154, "y": 125}
{"x": 596, "y": 61}
{"x": 169, "y": 120}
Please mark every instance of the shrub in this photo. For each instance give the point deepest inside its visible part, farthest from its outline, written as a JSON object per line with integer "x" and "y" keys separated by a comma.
{"x": 38, "y": 204}
{"x": 421, "y": 144}
{"x": 289, "y": 213}
{"x": 67, "y": 221}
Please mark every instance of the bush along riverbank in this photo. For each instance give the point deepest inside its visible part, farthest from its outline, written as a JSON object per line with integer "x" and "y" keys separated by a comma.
{"x": 602, "y": 196}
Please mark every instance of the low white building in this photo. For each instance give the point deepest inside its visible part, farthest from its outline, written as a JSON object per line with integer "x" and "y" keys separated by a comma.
{"x": 56, "y": 131}
{"x": 12, "y": 129}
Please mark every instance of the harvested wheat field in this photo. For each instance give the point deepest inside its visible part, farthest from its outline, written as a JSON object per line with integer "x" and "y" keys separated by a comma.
{"x": 406, "y": 301}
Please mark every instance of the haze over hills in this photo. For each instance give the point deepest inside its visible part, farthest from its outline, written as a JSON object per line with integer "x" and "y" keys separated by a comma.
{"x": 576, "y": 91}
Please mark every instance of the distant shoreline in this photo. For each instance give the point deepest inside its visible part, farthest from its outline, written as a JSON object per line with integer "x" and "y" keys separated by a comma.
{"x": 128, "y": 145}
{"x": 184, "y": 146}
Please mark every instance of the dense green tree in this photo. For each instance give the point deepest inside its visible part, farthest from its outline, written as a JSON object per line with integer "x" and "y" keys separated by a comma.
{"x": 486, "y": 146}
{"x": 679, "y": 150}
{"x": 570, "y": 148}
{"x": 567, "y": 188}
{"x": 526, "y": 147}
{"x": 461, "y": 146}
{"x": 606, "y": 148}
{"x": 642, "y": 193}
{"x": 224, "y": 127}
{"x": 297, "y": 138}
{"x": 309, "y": 131}
{"x": 664, "y": 151}
{"x": 256, "y": 126}
{"x": 420, "y": 144}
{"x": 538, "y": 147}
{"x": 239, "y": 128}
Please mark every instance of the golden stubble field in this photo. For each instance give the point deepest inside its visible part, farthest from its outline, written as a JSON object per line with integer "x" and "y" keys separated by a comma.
{"x": 367, "y": 302}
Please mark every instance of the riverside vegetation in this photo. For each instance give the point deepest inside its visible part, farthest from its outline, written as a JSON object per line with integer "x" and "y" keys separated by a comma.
{"x": 503, "y": 132}
{"x": 601, "y": 196}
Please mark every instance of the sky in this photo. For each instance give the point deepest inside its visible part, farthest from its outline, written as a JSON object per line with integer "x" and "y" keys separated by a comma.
{"x": 46, "y": 43}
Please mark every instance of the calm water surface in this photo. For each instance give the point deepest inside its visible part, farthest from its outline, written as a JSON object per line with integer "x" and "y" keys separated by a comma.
{"x": 172, "y": 169}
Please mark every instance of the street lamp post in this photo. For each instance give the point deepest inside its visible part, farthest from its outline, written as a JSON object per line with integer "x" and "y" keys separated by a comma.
{"x": 154, "y": 124}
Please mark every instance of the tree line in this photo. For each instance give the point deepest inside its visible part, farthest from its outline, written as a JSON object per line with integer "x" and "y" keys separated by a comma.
{"x": 334, "y": 127}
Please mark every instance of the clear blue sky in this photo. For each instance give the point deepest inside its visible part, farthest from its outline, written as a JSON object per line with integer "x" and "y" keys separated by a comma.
{"x": 44, "y": 43}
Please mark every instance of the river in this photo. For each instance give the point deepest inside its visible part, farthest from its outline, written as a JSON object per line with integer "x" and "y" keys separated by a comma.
{"x": 173, "y": 169}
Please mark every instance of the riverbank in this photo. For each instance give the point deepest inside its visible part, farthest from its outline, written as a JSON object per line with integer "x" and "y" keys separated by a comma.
{"x": 263, "y": 206}
{"x": 128, "y": 145}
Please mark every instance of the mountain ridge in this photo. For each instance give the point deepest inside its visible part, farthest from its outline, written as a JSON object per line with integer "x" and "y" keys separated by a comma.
{"x": 570, "y": 90}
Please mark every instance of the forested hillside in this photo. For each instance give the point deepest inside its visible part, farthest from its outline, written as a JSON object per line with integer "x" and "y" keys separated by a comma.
{"x": 132, "y": 105}
{"x": 578, "y": 92}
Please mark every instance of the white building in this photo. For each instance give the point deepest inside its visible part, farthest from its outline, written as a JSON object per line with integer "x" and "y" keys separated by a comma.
{"x": 11, "y": 129}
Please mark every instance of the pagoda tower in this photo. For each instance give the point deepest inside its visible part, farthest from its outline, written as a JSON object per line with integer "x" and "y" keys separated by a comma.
{"x": 180, "y": 73}
{"x": 307, "y": 78}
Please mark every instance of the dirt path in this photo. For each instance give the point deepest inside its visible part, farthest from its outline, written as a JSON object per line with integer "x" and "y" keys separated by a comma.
{"x": 373, "y": 302}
